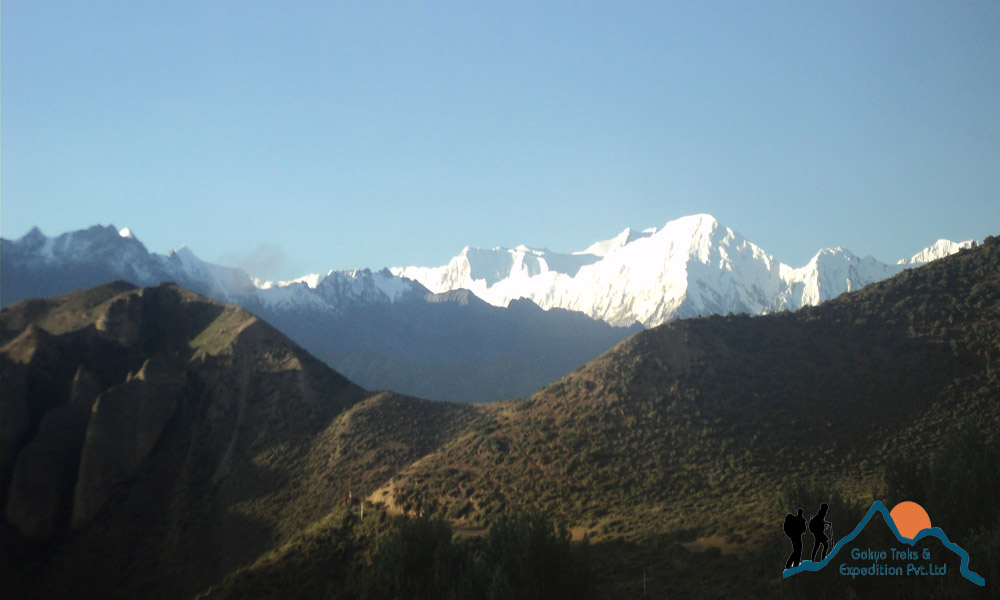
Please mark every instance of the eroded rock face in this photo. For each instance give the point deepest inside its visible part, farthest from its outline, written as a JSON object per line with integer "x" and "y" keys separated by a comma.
{"x": 13, "y": 422}
{"x": 63, "y": 472}
{"x": 172, "y": 452}
{"x": 123, "y": 320}
{"x": 87, "y": 387}
{"x": 26, "y": 383}
{"x": 125, "y": 423}
{"x": 41, "y": 486}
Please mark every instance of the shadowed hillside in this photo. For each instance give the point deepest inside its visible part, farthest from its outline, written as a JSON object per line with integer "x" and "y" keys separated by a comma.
{"x": 152, "y": 441}
{"x": 450, "y": 346}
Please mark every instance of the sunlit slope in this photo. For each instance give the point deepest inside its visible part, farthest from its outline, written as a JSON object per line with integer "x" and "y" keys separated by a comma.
{"x": 700, "y": 424}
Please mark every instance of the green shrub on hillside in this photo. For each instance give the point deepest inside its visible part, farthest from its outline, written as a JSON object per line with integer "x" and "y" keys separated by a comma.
{"x": 522, "y": 557}
{"x": 959, "y": 486}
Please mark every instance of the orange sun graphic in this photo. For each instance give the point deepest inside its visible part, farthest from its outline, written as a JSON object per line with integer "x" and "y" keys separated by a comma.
{"x": 910, "y": 518}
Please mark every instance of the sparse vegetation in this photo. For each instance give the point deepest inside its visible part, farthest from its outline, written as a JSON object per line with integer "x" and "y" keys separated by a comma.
{"x": 676, "y": 455}
{"x": 522, "y": 556}
{"x": 699, "y": 425}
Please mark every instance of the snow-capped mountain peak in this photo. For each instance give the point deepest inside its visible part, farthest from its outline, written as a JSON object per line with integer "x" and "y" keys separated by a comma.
{"x": 939, "y": 249}
{"x": 691, "y": 266}
{"x": 605, "y": 247}
{"x": 311, "y": 281}
{"x": 104, "y": 253}
{"x": 478, "y": 269}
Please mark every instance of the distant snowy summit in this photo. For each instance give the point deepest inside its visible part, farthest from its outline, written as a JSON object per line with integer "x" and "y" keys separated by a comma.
{"x": 382, "y": 331}
{"x": 690, "y": 267}
{"x": 939, "y": 249}
{"x": 37, "y": 266}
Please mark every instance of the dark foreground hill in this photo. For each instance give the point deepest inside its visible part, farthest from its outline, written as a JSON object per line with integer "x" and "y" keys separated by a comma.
{"x": 152, "y": 441}
{"x": 677, "y": 453}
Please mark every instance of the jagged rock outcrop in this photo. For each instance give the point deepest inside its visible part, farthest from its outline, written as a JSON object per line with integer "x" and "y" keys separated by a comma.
{"x": 122, "y": 320}
{"x": 32, "y": 346}
{"x": 41, "y": 491}
{"x": 41, "y": 486}
{"x": 124, "y": 425}
{"x": 167, "y": 417}
{"x": 13, "y": 421}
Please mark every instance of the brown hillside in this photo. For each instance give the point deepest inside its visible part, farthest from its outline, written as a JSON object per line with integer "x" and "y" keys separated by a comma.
{"x": 699, "y": 424}
{"x": 152, "y": 441}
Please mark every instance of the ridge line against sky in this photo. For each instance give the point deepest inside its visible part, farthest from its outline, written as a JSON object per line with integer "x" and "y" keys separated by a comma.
{"x": 296, "y": 140}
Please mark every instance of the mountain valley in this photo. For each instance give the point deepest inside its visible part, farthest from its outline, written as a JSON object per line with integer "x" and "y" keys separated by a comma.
{"x": 472, "y": 331}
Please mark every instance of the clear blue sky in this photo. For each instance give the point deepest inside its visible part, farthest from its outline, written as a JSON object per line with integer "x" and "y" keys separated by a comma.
{"x": 297, "y": 137}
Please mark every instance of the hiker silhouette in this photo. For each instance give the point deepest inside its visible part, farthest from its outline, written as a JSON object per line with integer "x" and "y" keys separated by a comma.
{"x": 795, "y": 526}
{"x": 817, "y": 527}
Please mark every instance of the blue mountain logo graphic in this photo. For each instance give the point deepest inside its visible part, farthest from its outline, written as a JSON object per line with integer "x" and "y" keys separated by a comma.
{"x": 878, "y": 507}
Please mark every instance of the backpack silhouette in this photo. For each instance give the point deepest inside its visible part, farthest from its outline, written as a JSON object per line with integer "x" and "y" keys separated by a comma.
{"x": 794, "y": 525}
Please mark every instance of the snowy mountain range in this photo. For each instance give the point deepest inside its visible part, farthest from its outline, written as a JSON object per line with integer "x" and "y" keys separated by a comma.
{"x": 49, "y": 266}
{"x": 382, "y": 331}
{"x": 690, "y": 267}
{"x": 473, "y": 329}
